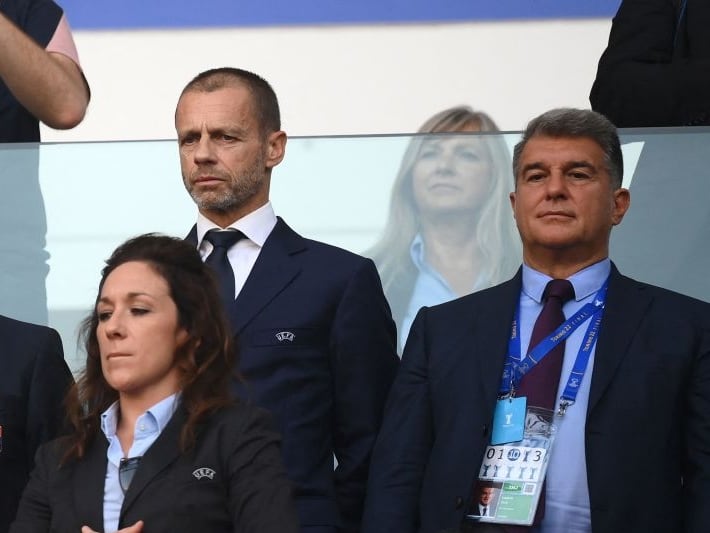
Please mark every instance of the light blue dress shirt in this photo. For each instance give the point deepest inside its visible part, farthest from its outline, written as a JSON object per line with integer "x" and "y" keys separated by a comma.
{"x": 567, "y": 497}
{"x": 430, "y": 288}
{"x": 148, "y": 427}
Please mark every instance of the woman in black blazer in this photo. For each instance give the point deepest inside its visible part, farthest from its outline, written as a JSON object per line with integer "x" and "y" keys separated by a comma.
{"x": 158, "y": 444}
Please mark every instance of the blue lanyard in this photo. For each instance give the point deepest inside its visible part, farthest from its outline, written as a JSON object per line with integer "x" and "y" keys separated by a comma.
{"x": 515, "y": 369}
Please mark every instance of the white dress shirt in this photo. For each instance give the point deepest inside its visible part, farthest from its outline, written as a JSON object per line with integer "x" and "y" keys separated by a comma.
{"x": 256, "y": 226}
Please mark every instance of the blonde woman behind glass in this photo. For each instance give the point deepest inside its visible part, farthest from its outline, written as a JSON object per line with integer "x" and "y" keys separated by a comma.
{"x": 450, "y": 229}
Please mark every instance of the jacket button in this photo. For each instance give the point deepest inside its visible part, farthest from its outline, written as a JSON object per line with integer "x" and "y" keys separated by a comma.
{"x": 459, "y": 502}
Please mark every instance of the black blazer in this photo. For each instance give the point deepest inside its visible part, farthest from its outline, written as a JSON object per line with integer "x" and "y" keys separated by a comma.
{"x": 317, "y": 348}
{"x": 231, "y": 481}
{"x": 33, "y": 381}
{"x": 648, "y": 420}
{"x": 656, "y": 69}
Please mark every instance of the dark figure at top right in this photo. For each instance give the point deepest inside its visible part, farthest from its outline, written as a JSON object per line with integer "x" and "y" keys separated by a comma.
{"x": 655, "y": 71}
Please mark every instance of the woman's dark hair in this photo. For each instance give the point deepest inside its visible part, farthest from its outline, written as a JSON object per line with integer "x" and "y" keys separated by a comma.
{"x": 206, "y": 360}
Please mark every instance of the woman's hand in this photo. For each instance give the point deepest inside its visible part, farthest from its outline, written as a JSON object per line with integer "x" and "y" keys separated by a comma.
{"x": 135, "y": 528}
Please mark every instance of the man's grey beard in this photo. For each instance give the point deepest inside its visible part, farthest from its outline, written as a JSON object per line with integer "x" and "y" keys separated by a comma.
{"x": 224, "y": 202}
{"x": 248, "y": 185}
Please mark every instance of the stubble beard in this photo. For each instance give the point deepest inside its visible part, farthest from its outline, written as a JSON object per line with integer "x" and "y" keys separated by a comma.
{"x": 236, "y": 192}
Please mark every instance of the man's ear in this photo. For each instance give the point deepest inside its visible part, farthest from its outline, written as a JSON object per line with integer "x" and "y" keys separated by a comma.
{"x": 275, "y": 148}
{"x": 622, "y": 201}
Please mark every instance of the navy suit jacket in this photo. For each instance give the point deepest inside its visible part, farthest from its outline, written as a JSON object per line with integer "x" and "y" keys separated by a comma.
{"x": 647, "y": 432}
{"x": 317, "y": 348}
{"x": 231, "y": 480}
{"x": 33, "y": 381}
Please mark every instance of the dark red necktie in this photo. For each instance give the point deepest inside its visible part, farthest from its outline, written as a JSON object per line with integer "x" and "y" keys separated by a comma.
{"x": 540, "y": 384}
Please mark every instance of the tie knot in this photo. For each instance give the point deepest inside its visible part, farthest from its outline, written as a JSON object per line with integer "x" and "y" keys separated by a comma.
{"x": 223, "y": 238}
{"x": 561, "y": 289}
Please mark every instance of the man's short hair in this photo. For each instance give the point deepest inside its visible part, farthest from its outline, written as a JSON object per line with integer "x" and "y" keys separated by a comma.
{"x": 265, "y": 102}
{"x": 568, "y": 122}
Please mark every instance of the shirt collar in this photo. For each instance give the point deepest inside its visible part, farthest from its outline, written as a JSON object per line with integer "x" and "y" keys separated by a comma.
{"x": 256, "y": 225}
{"x": 585, "y": 282}
{"x": 157, "y": 415}
{"x": 109, "y": 420}
{"x": 416, "y": 252}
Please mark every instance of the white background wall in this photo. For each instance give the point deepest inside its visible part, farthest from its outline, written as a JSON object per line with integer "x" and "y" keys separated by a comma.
{"x": 344, "y": 79}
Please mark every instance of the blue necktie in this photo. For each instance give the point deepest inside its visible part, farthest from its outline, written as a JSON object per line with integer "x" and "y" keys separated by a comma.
{"x": 222, "y": 241}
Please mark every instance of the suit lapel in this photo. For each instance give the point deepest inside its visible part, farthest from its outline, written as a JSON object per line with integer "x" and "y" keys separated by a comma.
{"x": 272, "y": 272}
{"x": 192, "y": 236}
{"x": 493, "y": 334}
{"x": 627, "y": 302}
{"x": 164, "y": 451}
{"x": 88, "y": 484}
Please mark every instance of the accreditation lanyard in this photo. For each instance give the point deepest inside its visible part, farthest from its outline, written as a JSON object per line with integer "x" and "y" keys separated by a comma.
{"x": 515, "y": 369}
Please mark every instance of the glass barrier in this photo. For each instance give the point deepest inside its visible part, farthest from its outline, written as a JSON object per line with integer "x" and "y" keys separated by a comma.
{"x": 67, "y": 206}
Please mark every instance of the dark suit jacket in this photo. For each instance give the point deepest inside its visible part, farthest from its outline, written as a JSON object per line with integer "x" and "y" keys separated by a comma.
{"x": 656, "y": 70}
{"x": 171, "y": 492}
{"x": 648, "y": 421}
{"x": 33, "y": 380}
{"x": 317, "y": 348}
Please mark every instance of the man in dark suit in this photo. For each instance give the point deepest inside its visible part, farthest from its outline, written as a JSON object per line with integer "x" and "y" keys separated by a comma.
{"x": 656, "y": 69}
{"x": 33, "y": 381}
{"x": 315, "y": 333}
{"x": 631, "y": 452}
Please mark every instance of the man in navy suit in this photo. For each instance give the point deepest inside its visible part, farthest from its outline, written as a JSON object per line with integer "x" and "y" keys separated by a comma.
{"x": 315, "y": 333}
{"x": 632, "y": 451}
{"x": 34, "y": 379}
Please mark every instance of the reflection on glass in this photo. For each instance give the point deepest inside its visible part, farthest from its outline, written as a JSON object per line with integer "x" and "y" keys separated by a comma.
{"x": 23, "y": 258}
{"x": 450, "y": 229}
{"x": 664, "y": 237}
{"x": 662, "y": 240}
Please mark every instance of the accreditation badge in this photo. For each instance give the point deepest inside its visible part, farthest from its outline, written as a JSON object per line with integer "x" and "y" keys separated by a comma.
{"x": 511, "y": 477}
{"x": 509, "y": 420}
